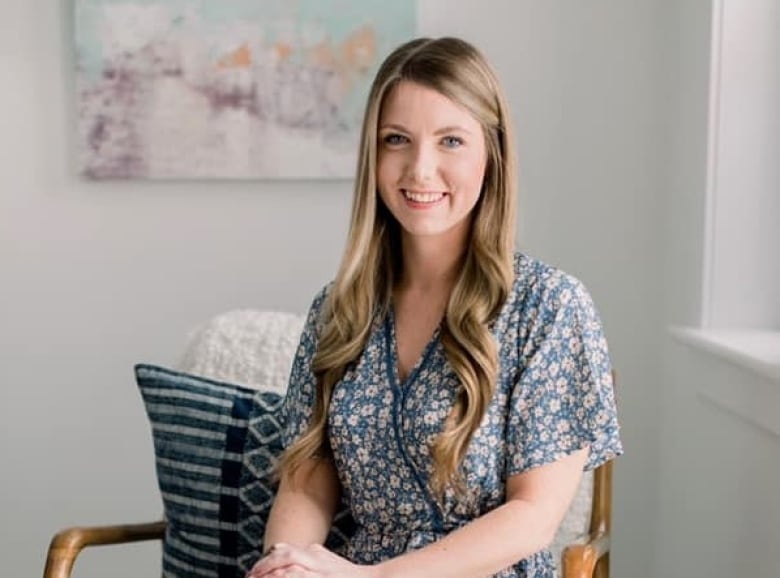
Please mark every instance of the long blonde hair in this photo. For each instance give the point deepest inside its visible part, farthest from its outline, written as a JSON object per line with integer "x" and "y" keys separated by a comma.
{"x": 371, "y": 263}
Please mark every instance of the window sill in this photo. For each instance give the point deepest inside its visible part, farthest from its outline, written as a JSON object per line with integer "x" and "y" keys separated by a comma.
{"x": 757, "y": 350}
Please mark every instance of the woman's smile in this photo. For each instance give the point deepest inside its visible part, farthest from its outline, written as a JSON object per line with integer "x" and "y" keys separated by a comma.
{"x": 423, "y": 198}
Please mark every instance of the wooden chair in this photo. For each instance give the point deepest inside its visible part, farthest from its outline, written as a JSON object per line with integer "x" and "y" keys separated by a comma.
{"x": 586, "y": 557}
{"x": 589, "y": 558}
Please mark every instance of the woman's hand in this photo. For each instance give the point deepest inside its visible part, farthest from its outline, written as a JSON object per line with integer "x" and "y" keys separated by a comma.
{"x": 315, "y": 561}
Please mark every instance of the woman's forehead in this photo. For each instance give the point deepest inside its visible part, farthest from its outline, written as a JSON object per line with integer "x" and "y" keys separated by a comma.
{"x": 412, "y": 105}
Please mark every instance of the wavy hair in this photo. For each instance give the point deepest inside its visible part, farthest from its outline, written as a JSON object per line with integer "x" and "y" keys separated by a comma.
{"x": 371, "y": 264}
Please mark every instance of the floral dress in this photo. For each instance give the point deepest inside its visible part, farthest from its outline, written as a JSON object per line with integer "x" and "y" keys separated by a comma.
{"x": 554, "y": 396}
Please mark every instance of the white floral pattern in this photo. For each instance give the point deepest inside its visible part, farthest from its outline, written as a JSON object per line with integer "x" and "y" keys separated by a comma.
{"x": 554, "y": 396}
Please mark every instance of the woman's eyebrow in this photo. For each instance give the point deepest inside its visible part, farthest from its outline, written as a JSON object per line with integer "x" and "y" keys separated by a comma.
{"x": 393, "y": 126}
{"x": 443, "y": 130}
{"x": 452, "y": 128}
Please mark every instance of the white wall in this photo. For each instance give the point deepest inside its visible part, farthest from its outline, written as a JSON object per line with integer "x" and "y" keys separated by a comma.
{"x": 720, "y": 470}
{"x": 97, "y": 276}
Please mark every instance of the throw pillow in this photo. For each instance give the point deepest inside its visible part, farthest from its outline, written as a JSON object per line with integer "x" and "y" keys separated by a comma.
{"x": 215, "y": 448}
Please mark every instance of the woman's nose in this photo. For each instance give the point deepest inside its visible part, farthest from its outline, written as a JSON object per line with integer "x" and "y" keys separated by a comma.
{"x": 422, "y": 163}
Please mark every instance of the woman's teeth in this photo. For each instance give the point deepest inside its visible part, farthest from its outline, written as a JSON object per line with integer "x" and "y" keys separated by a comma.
{"x": 423, "y": 197}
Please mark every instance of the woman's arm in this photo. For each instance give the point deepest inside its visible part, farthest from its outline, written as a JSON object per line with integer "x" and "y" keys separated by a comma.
{"x": 536, "y": 502}
{"x": 304, "y": 506}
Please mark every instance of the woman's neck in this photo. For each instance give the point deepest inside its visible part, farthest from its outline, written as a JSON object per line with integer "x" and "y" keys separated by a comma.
{"x": 430, "y": 265}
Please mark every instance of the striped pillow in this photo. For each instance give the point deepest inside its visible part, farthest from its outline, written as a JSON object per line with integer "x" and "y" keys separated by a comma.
{"x": 215, "y": 447}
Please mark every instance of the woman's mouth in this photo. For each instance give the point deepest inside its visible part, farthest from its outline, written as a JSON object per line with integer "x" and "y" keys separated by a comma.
{"x": 423, "y": 197}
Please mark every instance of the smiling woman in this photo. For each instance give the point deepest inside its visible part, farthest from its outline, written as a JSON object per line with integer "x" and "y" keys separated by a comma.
{"x": 450, "y": 390}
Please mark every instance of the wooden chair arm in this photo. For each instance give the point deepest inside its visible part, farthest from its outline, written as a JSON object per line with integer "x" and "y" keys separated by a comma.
{"x": 67, "y": 544}
{"x": 580, "y": 559}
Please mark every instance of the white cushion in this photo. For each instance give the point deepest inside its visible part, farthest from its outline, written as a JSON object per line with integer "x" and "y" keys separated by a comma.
{"x": 245, "y": 347}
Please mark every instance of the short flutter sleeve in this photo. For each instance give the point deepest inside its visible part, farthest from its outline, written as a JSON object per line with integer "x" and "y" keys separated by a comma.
{"x": 563, "y": 399}
{"x": 302, "y": 388}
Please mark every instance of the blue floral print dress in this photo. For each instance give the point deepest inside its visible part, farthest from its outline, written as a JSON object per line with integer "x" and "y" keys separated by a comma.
{"x": 554, "y": 396}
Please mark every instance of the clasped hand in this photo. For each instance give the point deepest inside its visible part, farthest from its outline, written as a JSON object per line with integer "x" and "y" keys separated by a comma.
{"x": 314, "y": 561}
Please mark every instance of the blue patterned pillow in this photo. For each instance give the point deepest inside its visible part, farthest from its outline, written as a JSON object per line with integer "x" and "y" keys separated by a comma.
{"x": 215, "y": 447}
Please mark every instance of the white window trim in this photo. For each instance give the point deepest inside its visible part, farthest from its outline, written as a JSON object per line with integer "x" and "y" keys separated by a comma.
{"x": 755, "y": 349}
{"x": 713, "y": 141}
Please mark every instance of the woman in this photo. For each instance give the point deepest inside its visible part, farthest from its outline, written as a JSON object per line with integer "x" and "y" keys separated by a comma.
{"x": 450, "y": 390}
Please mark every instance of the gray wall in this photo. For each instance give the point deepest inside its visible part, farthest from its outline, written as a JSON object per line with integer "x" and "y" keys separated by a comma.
{"x": 97, "y": 276}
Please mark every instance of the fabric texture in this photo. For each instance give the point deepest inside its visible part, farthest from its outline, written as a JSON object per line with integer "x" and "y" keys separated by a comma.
{"x": 246, "y": 347}
{"x": 215, "y": 448}
{"x": 554, "y": 396}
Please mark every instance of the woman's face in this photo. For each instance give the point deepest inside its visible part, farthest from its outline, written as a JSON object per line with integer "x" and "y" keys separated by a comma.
{"x": 431, "y": 159}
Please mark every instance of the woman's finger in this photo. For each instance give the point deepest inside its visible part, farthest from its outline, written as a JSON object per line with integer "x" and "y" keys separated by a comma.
{"x": 279, "y": 557}
{"x": 290, "y": 571}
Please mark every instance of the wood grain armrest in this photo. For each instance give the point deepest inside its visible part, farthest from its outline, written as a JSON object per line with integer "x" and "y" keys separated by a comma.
{"x": 67, "y": 544}
{"x": 580, "y": 559}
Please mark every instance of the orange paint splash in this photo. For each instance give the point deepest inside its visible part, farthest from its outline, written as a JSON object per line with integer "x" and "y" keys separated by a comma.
{"x": 283, "y": 50}
{"x": 240, "y": 58}
{"x": 359, "y": 49}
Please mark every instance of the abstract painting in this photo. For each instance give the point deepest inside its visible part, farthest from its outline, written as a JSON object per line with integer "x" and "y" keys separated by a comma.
{"x": 228, "y": 88}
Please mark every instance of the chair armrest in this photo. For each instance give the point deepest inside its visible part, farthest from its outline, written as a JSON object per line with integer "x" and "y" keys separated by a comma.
{"x": 67, "y": 544}
{"x": 580, "y": 559}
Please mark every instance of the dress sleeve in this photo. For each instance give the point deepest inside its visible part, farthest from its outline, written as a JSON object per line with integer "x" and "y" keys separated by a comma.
{"x": 563, "y": 399}
{"x": 302, "y": 387}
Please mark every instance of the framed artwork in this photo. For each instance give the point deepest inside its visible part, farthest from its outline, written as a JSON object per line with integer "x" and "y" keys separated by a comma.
{"x": 240, "y": 89}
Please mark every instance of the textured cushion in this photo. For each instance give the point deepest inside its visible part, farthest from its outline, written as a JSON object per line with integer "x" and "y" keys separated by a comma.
{"x": 215, "y": 447}
{"x": 247, "y": 347}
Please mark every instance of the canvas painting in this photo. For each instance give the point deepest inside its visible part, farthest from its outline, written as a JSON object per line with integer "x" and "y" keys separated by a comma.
{"x": 230, "y": 88}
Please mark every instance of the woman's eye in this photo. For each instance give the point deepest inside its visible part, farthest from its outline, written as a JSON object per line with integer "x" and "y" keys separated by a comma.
{"x": 451, "y": 142}
{"x": 394, "y": 139}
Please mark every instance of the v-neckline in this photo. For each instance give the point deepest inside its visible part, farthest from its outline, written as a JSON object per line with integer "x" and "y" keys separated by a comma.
{"x": 392, "y": 346}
